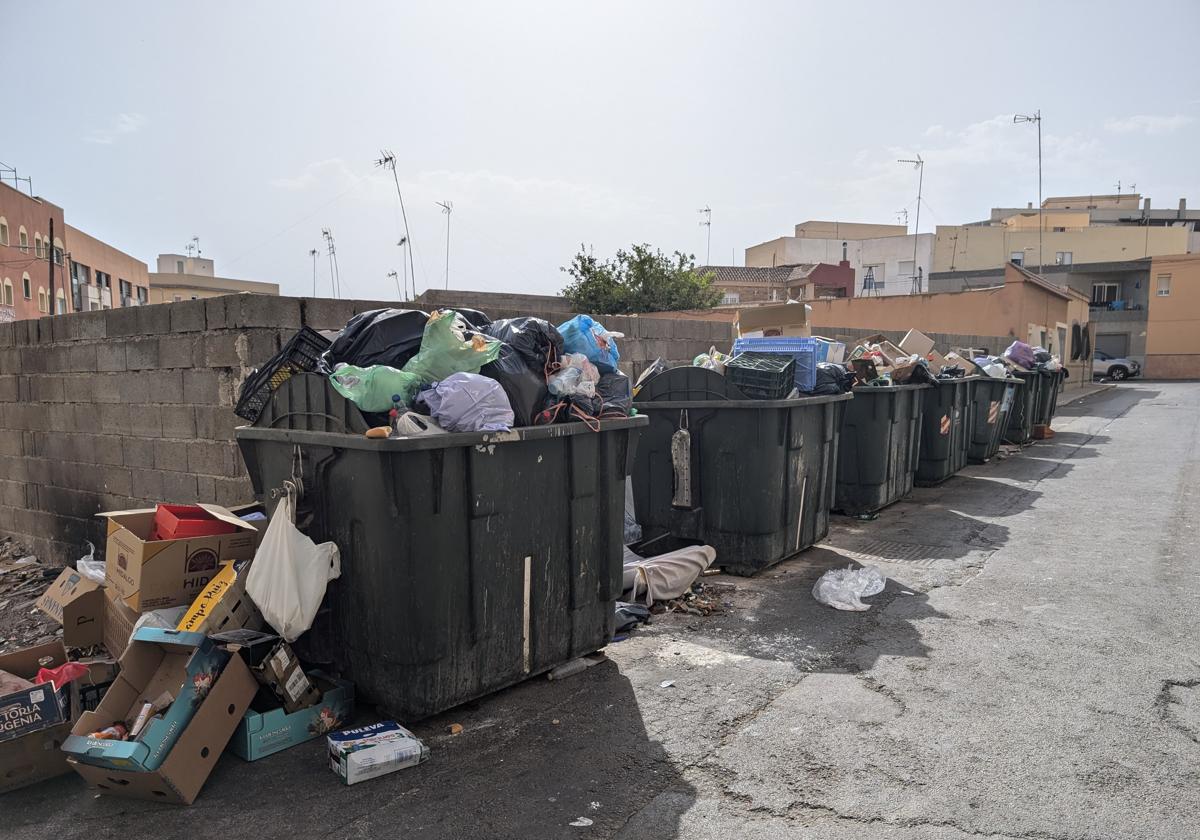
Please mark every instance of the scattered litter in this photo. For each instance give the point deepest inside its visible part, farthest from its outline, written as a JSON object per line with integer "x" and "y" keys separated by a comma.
{"x": 89, "y": 567}
{"x": 454, "y": 729}
{"x": 666, "y": 684}
{"x": 575, "y": 666}
{"x": 842, "y": 588}
{"x": 582, "y": 822}
{"x": 595, "y": 806}
{"x": 555, "y": 722}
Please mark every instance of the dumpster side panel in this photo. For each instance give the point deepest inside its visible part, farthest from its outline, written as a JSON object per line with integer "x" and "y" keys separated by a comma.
{"x": 946, "y": 424}
{"x": 878, "y": 448}
{"x": 1021, "y": 416}
{"x": 987, "y": 398}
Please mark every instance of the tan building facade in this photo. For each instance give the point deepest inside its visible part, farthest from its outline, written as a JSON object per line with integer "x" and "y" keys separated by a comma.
{"x": 1173, "y": 318}
{"x": 186, "y": 277}
{"x": 103, "y": 277}
{"x": 972, "y": 247}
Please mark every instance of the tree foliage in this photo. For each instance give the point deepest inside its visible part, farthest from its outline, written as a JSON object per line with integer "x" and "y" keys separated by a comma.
{"x": 638, "y": 280}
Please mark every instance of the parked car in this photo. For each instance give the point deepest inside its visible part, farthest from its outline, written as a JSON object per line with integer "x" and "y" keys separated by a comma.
{"x": 1114, "y": 367}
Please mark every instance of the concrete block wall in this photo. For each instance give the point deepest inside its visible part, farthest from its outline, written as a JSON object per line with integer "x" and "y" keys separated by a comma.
{"x": 129, "y": 407}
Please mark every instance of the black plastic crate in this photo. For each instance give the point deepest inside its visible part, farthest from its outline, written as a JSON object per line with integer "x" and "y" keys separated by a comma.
{"x": 299, "y": 355}
{"x": 762, "y": 376}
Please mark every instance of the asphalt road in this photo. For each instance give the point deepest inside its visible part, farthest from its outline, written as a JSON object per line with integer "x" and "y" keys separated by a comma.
{"x": 1031, "y": 671}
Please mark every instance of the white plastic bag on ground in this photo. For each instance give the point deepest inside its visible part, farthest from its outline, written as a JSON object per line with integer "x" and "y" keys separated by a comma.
{"x": 664, "y": 576}
{"x": 89, "y": 567}
{"x": 167, "y": 618}
{"x": 842, "y": 588}
{"x": 289, "y": 574}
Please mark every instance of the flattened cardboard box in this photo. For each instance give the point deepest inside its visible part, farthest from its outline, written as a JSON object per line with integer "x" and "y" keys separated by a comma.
{"x": 151, "y": 574}
{"x": 183, "y": 773}
{"x": 790, "y": 319}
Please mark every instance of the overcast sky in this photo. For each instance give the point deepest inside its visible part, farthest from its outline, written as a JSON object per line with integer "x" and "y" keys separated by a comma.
{"x": 253, "y": 125}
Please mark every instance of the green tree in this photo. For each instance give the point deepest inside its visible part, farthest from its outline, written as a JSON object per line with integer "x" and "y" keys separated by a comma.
{"x": 638, "y": 280}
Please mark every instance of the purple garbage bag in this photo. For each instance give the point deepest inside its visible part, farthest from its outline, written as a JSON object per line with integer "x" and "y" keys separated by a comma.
{"x": 1021, "y": 353}
{"x": 468, "y": 402}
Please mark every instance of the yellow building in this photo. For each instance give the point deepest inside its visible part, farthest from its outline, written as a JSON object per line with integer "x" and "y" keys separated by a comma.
{"x": 1173, "y": 318}
{"x": 181, "y": 277}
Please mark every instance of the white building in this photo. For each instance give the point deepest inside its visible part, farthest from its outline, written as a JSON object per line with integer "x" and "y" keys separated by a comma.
{"x": 882, "y": 256}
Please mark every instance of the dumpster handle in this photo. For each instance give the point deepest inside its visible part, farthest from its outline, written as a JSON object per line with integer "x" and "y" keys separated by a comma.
{"x": 337, "y": 420}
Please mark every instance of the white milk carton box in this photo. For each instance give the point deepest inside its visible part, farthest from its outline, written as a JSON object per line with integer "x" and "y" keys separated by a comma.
{"x": 367, "y": 752}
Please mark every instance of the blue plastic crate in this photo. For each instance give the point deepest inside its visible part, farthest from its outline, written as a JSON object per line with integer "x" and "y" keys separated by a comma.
{"x": 803, "y": 350}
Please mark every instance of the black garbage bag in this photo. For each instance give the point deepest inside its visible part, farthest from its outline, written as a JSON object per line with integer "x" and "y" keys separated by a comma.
{"x": 526, "y": 389}
{"x": 616, "y": 394}
{"x": 572, "y": 408}
{"x": 536, "y": 340}
{"x": 377, "y": 337}
{"x": 832, "y": 379}
{"x": 474, "y": 318}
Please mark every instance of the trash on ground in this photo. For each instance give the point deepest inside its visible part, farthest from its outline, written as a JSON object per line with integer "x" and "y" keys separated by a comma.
{"x": 89, "y": 567}
{"x": 630, "y": 616}
{"x": 575, "y": 666}
{"x": 368, "y": 752}
{"x": 843, "y": 588}
{"x": 664, "y": 576}
{"x": 268, "y": 728}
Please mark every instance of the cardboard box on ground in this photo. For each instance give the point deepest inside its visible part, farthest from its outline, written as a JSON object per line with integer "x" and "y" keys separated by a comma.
{"x": 267, "y": 729}
{"x": 90, "y": 613}
{"x": 149, "y": 574}
{"x": 35, "y": 721}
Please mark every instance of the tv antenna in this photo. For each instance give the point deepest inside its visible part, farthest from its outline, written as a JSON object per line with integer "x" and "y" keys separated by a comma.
{"x": 331, "y": 249}
{"x": 7, "y": 171}
{"x": 706, "y": 222}
{"x": 193, "y": 247}
{"x": 902, "y": 217}
{"x": 447, "y": 208}
{"x": 1036, "y": 119}
{"x": 396, "y": 277}
{"x": 403, "y": 243}
{"x": 918, "y": 164}
{"x": 313, "y": 253}
{"x": 387, "y": 160}
{"x": 1130, "y": 187}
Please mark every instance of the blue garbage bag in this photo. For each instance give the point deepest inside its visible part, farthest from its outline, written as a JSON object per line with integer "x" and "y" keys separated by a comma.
{"x": 468, "y": 402}
{"x": 582, "y": 334}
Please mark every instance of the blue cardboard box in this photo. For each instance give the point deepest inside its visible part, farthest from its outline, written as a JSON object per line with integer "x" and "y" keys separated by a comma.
{"x": 266, "y": 730}
{"x": 184, "y": 665}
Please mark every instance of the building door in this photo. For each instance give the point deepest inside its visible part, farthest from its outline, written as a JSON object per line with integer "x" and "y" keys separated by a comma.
{"x": 1114, "y": 344}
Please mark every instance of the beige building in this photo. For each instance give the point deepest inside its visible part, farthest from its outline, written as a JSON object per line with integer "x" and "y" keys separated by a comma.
{"x": 103, "y": 277}
{"x": 1173, "y": 318}
{"x": 185, "y": 277}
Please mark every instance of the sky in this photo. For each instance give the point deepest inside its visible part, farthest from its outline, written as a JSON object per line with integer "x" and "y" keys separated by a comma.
{"x": 551, "y": 126}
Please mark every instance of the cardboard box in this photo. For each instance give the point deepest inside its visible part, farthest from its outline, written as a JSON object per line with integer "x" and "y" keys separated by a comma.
{"x": 184, "y": 665}
{"x": 916, "y": 343}
{"x": 183, "y": 773}
{"x": 274, "y": 665}
{"x": 34, "y": 722}
{"x": 77, "y": 603}
{"x": 119, "y": 621}
{"x": 789, "y": 319}
{"x": 356, "y": 755}
{"x": 266, "y": 728}
{"x": 223, "y": 605}
{"x": 33, "y": 758}
{"x": 149, "y": 574}
{"x": 253, "y": 514}
{"x": 830, "y": 351}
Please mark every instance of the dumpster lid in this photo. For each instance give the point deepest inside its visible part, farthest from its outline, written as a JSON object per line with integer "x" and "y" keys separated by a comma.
{"x": 908, "y": 386}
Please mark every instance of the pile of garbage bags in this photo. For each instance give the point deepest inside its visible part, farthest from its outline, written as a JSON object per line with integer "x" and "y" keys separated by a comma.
{"x": 458, "y": 371}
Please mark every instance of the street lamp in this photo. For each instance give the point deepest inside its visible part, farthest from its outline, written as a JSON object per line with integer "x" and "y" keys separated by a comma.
{"x": 1037, "y": 119}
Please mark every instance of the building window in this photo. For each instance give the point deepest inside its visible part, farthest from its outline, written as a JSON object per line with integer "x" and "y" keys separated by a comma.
{"x": 1164, "y": 285}
{"x": 730, "y": 298}
{"x": 61, "y": 302}
{"x": 1063, "y": 257}
{"x": 23, "y": 239}
{"x": 1105, "y": 293}
{"x": 141, "y": 295}
{"x": 1017, "y": 258}
{"x": 178, "y": 298}
{"x": 906, "y": 268}
{"x": 27, "y": 287}
{"x": 1059, "y": 230}
{"x": 57, "y": 251}
{"x": 3, "y": 231}
{"x": 179, "y": 266}
{"x": 37, "y": 245}
{"x": 8, "y": 292}
{"x": 43, "y": 305}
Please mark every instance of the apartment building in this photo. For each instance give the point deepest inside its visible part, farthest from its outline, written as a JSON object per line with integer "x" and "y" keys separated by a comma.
{"x": 103, "y": 277}
{"x": 742, "y": 285}
{"x": 31, "y": 261}
{"x": 189, "y": 277}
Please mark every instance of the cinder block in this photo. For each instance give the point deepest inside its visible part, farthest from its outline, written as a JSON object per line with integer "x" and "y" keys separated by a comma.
{"x": 47, "y": 388}
{"x": 326, "y": 313}
{"x": 215, "y": 313}
{"x": 247, "y": 310}
{"x": 187, "y": 316}
{"x": 145, "y": 421}
{"x": 256, "y": 347}
{"x": 147, "y": 484}
{"x": 10, "y": 360}
{"x": 89, "y": 325}
{"x": 7, "y": 335}
{"x": 45, "y": 329}
{"x": 122, "y": 322}
{"x": 201, "y": 387}
{"x": 220, "y": 349}
{"x": 32, "y": 360}
{"x": 112, "y": 418}
{"x": 142, "y": 354}
{"x": 171, "y": 455}
{"x": 81, "y": 357}
{"x": 80, "y": 388}
{"x": 154, "y": 319}
{"x": 57, "y": 417}
{"x": 11, "y": 443}
{"x": 215, "y": 422}
{"x": 133, "y": 388}
{"x": 180, "y": 351}
{"x": 106, "y": 387}
{"x": 137, "y": 453}
{"x": 206, "y": 457}
{"x": 106, "y": 449}
{"x": 206, "y": 489}
{"x": 110, "y": 355}
{"x": 117, "y": 480}
{"x": 8, "y": 388}
{"x": 166, "y": 386}
{"x": 179, "y": 488}
{"x": 57, "y": 358}
{"x": 12, "y": 493}
{"x": 233, "y": 491}
{"x": 229, "y": 386}
{"x": 178, "y": 421}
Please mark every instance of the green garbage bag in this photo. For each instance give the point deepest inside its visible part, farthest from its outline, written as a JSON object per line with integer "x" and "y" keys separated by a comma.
{"x": 372, "y": 388}
{"x": 445, "y": 349}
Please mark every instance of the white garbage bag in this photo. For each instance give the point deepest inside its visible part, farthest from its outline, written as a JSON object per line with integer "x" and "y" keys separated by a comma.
{"x": 90, "y": 567}
{"x": 842, "y": 588}
{"x": 664, "y": 576}
{"x": 289, "y": 574}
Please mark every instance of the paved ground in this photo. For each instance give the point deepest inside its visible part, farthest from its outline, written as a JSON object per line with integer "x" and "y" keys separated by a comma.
{"x": 1031, "y": 671}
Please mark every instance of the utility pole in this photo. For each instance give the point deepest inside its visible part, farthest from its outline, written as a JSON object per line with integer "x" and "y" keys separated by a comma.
{"x": 447, "y": 207}
{"x": 919, "y": 164}
{"x": 387, "y": 160}
{"x": 53, "y": 306}
{"x": 403, "y": 243}
{"x": 1036, "y": 118}
{"x": 313, "y": 254}
{"x": 706, "y": 212}
{"x": 333, "y": 274}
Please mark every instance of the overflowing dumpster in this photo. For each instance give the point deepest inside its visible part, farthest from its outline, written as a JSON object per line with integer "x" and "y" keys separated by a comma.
{"x": 1047, "y": 402}
{"x": 947, "y": 421}
{"x": 992, "y": 400}
{"x": 752, "y": 478}
{"x": 1023, "y": 411}
{"x": 470, "y": 561}
{"x": 879, "y": 447}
